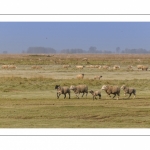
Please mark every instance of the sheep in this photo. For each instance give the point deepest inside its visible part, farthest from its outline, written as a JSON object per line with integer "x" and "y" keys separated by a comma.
{"x": 116, "y": 67}
{"x": 4, "y": 66}
{"x": 90, "y": 66}
{"x": 84, "y": 59}
{"x": 66, "y": 66}
{"x": 104, "y": 67}
{"x": 79, "y": 67}
{"x": 109, "y": 89}
{"x": 139, "y": 66}
{"x": 128, "y": 90}
{"x": 12, "y": 67}
{"x": 62, "y": 90}
{"x": 145, "y": 68}
{"x": 79, "y": 89}
{"x": 96, "y": 66}
{"x": 80, "y": 76}
{"x": 98, "y": 77}
{"x": 95, "y": 93}
{"x": 130, "y": 67}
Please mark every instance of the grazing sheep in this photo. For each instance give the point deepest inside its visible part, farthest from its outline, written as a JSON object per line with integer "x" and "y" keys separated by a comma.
{"x": 109, "y": 89}
{"x": 129, "y": 90}
{"x": 79, "y": 67}
{"x": 104, "y": 67}
{"x": 116, "y": 67}
{"x": 90, "y": 66}
{"x": 139, "y": 60}
{"x": 79, "y": 89}
{"x": 84, "y": 59}
{"x": 62, "y": 90}
{"x": 66, "y": 66}
{"x": 95, "y": 93}
{"x": 139, "y": 66}
{"x": 96, "y": 66}
{"x": 4, "y": 66}
{"x": 80, "y": 76}
{"x": 98, "y": 77}
{"x": 145, "y": 68}
{"x": 130, "y": 67}
{"x": 12, "y": 67}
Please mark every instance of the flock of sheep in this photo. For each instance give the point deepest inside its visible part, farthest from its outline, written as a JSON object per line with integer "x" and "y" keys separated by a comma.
{"x": 109, "y": 89}
{"x": 106, "y": 67}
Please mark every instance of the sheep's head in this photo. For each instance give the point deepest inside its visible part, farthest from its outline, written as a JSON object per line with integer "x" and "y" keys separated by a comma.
{"x": 123, "y": 87}
{"x": 91, "y": 91}
{"x": 57, "y": 86}
{"x": 104, "y": 87}
{"x": 72, "y": 87}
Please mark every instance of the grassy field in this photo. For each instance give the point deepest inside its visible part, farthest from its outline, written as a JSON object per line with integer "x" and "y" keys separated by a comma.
{"x": 28, "y": 98}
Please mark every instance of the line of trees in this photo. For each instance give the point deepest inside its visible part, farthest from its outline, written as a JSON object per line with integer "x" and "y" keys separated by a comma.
{"x": 38, "y": 50}
{"x": 92, "y": 49}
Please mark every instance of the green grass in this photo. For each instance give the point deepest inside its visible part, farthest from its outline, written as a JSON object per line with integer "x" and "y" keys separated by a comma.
{"x": 28, "y": 98}
{"x": 74, "y": 113}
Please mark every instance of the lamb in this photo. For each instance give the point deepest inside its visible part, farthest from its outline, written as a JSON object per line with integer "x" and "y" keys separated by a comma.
{"x": 109, "y": 89}
{"x": 79, "y": 89}
{"x": 80, "y": 76}
{"x": 62, "y": 90}
{"x": 129, "y": 90}
{"x": 95, "y": 93}
{"x": 98, "y": 77}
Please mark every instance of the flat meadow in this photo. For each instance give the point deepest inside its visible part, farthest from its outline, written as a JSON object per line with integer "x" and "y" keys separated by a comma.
{"x": 28, "y": 96}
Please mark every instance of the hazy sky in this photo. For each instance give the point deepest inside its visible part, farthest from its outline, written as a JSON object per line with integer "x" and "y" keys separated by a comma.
{"x": 18, "y": 36}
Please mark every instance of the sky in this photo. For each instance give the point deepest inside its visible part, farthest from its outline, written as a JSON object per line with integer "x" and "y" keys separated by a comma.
{"x": 19, "y": 36}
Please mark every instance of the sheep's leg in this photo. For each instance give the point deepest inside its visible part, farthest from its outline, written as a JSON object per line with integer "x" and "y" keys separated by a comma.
{"x": 134, "y": 96}
{"x": 83, "y": 94}
{"x": 118, "y": 97}
{"x": 129, "y": 95}
{"x": 58, "y": 95}
{"x": 69, "y": 95}
{"x": 99, "y": 96}
{"x": 86, "y": 95}
{"x": 124, "y": 94}
{"x": 93, "y": 97}
{"x": 114, "y": 95}
{"x": 77, "y": 96}
{"x": 108, "y": 95}
{"x": 64, "y": 96}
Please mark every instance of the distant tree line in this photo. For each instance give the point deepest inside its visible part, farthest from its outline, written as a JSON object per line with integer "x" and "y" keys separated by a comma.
{"x": 38, "y": 50}
{"x": 92, "y": 49}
